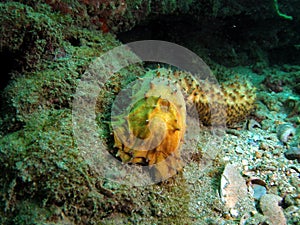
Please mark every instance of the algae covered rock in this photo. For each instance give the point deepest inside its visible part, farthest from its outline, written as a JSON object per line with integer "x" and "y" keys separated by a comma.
{"x": 44, "y": 178}
{"x": 42, "y": 170}
{"x": 27, "y": 36}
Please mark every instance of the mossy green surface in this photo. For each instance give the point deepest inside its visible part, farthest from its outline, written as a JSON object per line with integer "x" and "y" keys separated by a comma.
{"x": 48, "y": 82}
{"x": 41, "y": 167}
{"x": 45, "y": 181}
{"x": 27, "y": 34}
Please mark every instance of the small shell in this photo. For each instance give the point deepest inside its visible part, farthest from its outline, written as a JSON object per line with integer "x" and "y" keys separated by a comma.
{"x": 285, "y": 131}
{"x": 252, "y": 124}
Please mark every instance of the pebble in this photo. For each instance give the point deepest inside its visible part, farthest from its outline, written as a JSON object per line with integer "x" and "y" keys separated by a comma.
{"x": 268, "y": 155}
{"x": 244, "y": 162}
{"x": 258, "y": 155}
{"x": 258, "y": 191}
{"x": 239, "y": 150}
{"x": 269, "y": 205}
{"x": 276, "y": 152}
{"x": 257, "y": 138}
{"x": 263, "y": 146}
{"x": 234, "y": 213}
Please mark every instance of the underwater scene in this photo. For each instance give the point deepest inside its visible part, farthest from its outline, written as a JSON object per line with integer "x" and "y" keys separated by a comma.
{"x": 150, "y": 112}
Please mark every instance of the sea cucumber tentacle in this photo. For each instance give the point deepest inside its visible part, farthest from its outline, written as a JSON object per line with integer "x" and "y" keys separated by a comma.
{"x": 151, "y": 130}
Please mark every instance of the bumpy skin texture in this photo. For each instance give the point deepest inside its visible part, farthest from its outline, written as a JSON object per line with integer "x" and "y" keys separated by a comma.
{"x": 151, "y": 129}
{"x": 217, "y": 105}
{"x": 239, "y": 100}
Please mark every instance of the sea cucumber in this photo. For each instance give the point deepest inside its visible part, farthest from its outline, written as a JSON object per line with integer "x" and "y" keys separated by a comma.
{"x": 151, "y": 128}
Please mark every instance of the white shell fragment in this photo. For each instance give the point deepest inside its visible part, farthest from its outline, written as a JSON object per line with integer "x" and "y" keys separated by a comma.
{"x": 233, "y": 186}
{"x": 285, "y": 132}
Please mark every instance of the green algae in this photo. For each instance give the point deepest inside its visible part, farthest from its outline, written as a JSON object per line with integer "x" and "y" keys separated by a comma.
{"x": 50, "y": 81}
{"x": 40, "y": 163}
{"x": 44, "y": 178}
{"x": 27, "y": 34}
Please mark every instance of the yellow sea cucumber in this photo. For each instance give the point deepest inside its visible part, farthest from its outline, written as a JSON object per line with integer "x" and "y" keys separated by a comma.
{"x": 150, "y": 131}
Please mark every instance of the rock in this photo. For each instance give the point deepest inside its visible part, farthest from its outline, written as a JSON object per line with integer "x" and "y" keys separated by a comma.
{"x": 293, "y": 153}
{"x": 258, "y": 191}
{"x": 257, "y": 187}
{"x": 269, "y": 205}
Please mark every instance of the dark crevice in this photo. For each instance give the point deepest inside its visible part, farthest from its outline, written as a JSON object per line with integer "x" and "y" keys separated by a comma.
{"x": 231, "y": 41}
{"x": 285, "y": 55}
{"x": 9, "y": 65}
{"x": 161, "y": 28}
{"x": 74, "y": 41}
{"x": 213, "y": 37}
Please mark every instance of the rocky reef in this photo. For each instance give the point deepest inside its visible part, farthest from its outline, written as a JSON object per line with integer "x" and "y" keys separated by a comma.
{"x": 47, "y": 45}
